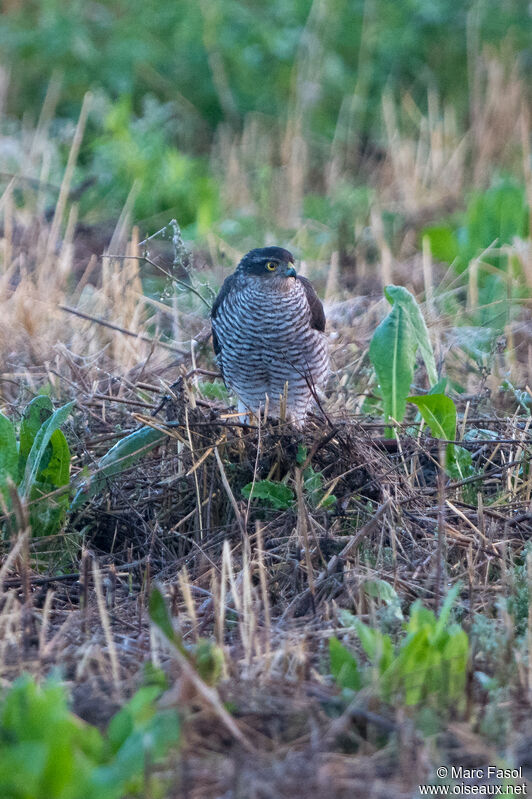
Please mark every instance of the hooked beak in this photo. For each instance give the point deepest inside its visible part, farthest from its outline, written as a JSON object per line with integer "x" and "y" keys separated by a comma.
{"x": 289, "y": 270}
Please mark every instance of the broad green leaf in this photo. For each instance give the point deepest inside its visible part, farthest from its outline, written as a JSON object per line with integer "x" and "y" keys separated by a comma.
{"x": 445, "y": 611}
{"x": 8, "y": 451}
{"x": 456, "y": 657}
{"x": 458, "y": 462}
{"x": 420, "y": 617}
{"x": 36, "y": 413}
{"x": 302, "y": 452}
{"x": 444, "y": 245}
{"x": 380, "y": 589}
{"x": 377, "y": 646}
{"x": 439, "y": 387}
{"x": 439, "y": 413}
{"x": 139, "y": 706}
{"x": 392, "y": 352}
{"x": 344, "y": 667}
{"x": 148, "y": 741}
{"x": 386, "y": 593}
{"x": 56, "y": 472}
{"x": 277, "y": 495}
{"x": 346, "y": 618}
{"x": 121, "y": 456}
{"x": 401, "y": 296}
{"x": 480, "y": 434}
{"x": 414, "y": 662}
{"x": 40, "y": 443}
{"x": 21, "y": 768}
{"x": 49, "y": 753}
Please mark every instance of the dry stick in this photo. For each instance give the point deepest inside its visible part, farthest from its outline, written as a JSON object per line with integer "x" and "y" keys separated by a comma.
{"x": 364, "y": 531}
{"x": 467, "y": 480}
{"x": 332, "y": 565}
{"x": 61, "y": 578}
{"x": 167, "y": 274}
{"x": 264, "y": 589}
{"x": 123, "y": 400}
{"x": 440, "y": 528}
{"x": 184, "y": 584}
{"x": 203, "y": 458}
{"x": 44, "y": 623}
{"x": 84, "y": 596}
{"x": 211, "y": 697}
{"x": 104, "y": 616}
{"x": 196, "y": 481}
{"x": 255, "y": 469}
{"x": 11, "y": 558}
{"x": 123, "y": 330}
{"x": 69, "y": 172}
{"x": 469, "y": 522}
{"x": 302, "y": 527}
{"x": 229, "y": 492}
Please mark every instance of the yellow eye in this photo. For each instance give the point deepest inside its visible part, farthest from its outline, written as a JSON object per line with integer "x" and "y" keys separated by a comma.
{"x": 271, "y": 266}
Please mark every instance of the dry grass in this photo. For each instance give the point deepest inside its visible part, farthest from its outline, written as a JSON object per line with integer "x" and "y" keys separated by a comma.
{"x": 266, "y": 585}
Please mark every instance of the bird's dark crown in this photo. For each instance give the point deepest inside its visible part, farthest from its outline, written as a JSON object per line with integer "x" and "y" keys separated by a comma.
{"x": 254, "y": 261}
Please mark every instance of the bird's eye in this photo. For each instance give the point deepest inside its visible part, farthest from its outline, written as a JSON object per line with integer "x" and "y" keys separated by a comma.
{"x": 271, "y": 266}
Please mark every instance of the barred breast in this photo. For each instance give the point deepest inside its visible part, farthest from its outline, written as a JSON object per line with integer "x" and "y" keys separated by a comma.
{"x": 266, "y": 339}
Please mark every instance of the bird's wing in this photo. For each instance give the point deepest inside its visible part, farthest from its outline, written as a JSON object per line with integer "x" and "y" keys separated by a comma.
{"x": 222, "y": 294}
{"x": 317, "y": 314}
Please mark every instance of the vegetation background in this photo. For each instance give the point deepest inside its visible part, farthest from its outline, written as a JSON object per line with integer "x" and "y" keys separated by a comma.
{"x": 352, "y": 611}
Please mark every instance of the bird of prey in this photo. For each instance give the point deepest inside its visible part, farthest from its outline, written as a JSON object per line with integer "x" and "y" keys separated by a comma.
{"x": 268, "y": 330}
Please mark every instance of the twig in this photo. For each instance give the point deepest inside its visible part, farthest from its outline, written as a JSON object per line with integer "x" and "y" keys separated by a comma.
{"x": 167, "y": 274}
{"x": 228, "y": 491}
{"x": 123, "y": 330}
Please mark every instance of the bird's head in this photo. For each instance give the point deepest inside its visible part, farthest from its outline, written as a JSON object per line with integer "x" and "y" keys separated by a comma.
{"x": 268, "y": 262}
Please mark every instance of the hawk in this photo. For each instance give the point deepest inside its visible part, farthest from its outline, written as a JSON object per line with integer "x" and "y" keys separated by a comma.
{"x": 268, "y": 329}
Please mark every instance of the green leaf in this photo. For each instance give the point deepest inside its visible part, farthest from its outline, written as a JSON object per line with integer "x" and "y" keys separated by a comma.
{"x": 445, "y": 611}
{"x": 392, "y": 352}
{"x": 36, "y": 413}
{"x": 139, "y": 707}
{"x": 302, "y": 452}
{"x": 8, "y": 452}
{"x": 439, "y": 413}
{"x": 400, "y": 295}
{"x": 149, "y": 738}
{"x": 444, "y": 244}
{"x": 458, "y": 462}
{"x": 39, "y": 445}
{"x": 120, "y": 457}
{"x": 386, "y": 593}
{"x": 46, "y": 752}
{"x": 377, "y": 646}
{"x": 56, "y": 472}
{"x": 439, "y": 387}
{"x": 277, "y": 495}
{"x": 344, "y": 667}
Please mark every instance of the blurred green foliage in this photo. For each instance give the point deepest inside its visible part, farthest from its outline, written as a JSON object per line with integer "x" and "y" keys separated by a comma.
{"x": 429, "y": 665}
{"x": 137, "y": 152}
{"x": 493, "y": 218}
{"x": 165, "y": 75}
{"x": 39, "y": 465}
{"x": 178, "y": 50}
{"x": 46, "y": 752}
